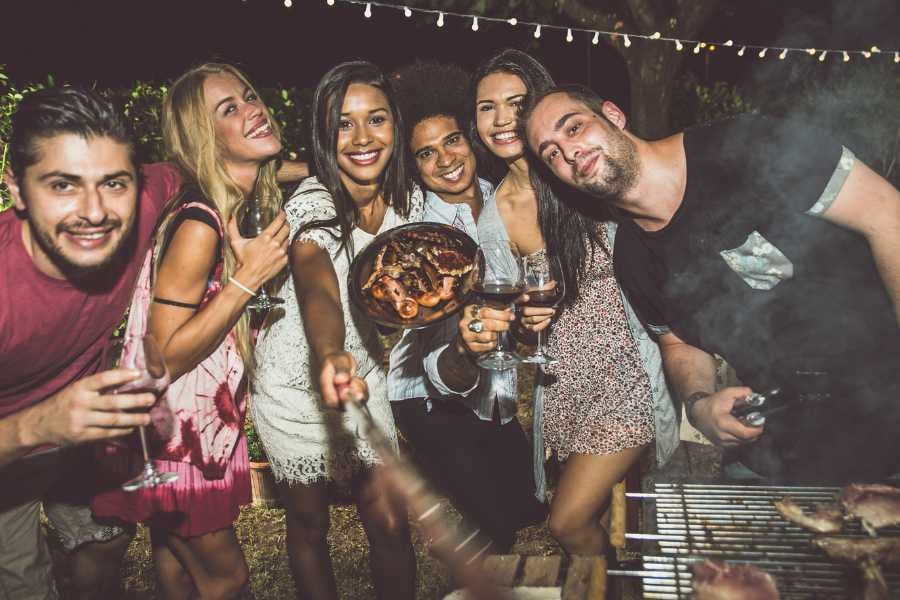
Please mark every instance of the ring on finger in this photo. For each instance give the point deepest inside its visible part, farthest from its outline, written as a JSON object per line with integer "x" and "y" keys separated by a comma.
{"x": 476, "y": 325}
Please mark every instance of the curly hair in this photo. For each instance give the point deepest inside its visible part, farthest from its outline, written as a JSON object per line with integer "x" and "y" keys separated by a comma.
{"x": 427, "y": 89}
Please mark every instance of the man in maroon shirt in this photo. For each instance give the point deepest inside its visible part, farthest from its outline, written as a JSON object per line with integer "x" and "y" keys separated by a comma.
{"x": 70, "y": 253}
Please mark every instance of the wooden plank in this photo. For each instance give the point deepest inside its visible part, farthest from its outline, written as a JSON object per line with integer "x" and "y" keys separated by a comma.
{"x": 586, "y": 579}
{"x": 617, "y": 516}
{"x": 501, "y": 569}
{"x": 541, "y": 571}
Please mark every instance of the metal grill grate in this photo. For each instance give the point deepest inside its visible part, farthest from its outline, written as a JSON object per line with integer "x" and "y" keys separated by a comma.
{"x": 739, "y": 524}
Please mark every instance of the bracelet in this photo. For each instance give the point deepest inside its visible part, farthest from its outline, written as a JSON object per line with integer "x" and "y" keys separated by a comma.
{"x": 241, "y": 286}
{"x": 691, "y": 400}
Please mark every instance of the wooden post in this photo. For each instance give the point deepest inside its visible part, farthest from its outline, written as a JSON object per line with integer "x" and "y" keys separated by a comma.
{"x": 617, "y": 516}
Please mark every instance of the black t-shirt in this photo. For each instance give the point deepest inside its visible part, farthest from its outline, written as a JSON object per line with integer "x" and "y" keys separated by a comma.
{"x": 747, "y": 270}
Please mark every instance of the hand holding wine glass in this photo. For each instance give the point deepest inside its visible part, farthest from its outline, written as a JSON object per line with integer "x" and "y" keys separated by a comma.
{"x": 262, "y": 252}
{"x": 499, "y": 280}
{"x": 142, "y": 354}
{"x": 545, "y": 287}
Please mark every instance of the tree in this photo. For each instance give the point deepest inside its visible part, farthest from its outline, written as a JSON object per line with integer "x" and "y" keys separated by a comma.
{"x": 652, "y": 66}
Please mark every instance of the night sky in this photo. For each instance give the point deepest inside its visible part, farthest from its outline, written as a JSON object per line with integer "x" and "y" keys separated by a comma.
{"x": 117, "y": 42}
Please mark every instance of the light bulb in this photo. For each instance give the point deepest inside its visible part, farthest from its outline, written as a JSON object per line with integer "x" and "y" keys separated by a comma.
{"x": 329, "y": 2}
{"x": 656, "y": 35}
{"x": 512, "y": 21}
{"x": 474, "y": 23}
{"x": 783, "y": 54}
{"x": 810, "y": 51}
{"x": 697, "y": 48}
{"x": 678, "y": 45}
{"x": 897, "y": 57}
{"x": 846, "y": 56}
{"x": 627, "y": 41}
{"x": 368, "y": 12}
{"x": 440, "y": 20}
{"x": 874, "y": 49}
{"x": 867, "y": 54}
{"x": 822, "y": 56}
{"x": 406, "y": 12}
{"x": 596, "y": 39}
{"x": 569, "y": 35}
{"x": 729, "y": 43}
{"x": 762, "y": 53}
{"x": 742, "y": 50}
{"x": 288, "y": 3}
{"x": 537, "y": 32}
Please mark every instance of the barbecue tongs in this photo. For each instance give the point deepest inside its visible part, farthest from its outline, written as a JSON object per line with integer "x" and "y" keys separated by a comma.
{"x": 756, "y": 407}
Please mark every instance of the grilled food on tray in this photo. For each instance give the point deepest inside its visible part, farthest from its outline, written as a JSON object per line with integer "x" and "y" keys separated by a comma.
{"x": 875, "y": 505}
{"x": 715, "y": 580}
{"x": 416, "y": 268}
{"x": 867, "y": 555}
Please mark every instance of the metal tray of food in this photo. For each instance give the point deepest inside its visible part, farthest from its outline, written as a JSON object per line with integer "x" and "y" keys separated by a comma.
{"x": 414, "y": 260}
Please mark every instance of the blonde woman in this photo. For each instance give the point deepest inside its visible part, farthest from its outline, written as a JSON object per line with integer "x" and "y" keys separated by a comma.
{"x": 200, "y": 277}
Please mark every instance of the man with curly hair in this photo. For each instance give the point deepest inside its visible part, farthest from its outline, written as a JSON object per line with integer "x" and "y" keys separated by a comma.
{"x": 460, "y": 421}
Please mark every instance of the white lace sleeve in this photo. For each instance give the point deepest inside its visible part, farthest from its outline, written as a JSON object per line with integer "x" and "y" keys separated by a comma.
{"x": 312, "y": 202}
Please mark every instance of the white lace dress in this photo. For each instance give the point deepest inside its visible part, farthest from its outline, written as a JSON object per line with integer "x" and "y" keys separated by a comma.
{"x": 305, "y": 441}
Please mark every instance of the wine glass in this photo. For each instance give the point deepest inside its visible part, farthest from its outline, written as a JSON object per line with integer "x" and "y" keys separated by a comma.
{"x": 251, "y": 226}
{"x": 545, "y": 287}
{"x": 499, "y": 280}
{"x": 143, "y": 354}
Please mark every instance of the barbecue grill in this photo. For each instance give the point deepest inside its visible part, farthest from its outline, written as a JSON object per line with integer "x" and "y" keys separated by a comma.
{"x": 738, "y": 524}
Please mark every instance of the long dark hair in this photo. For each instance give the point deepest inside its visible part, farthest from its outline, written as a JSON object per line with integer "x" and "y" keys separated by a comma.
{"x": 568, "y": 233}
{"x": 396, "y": 185}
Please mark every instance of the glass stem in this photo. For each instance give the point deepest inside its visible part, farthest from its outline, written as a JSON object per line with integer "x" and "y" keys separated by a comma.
{"x": 540, "y": 344}
{"x": 143, "y": 435}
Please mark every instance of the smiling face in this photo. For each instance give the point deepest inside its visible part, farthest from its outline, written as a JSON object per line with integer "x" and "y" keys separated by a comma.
{"x": 443, "y": 156}
{"x": 582, "y": 148}
{"x": 365, "y": 137}
{"x": 241, "y": 121}
{"x": 498, "y": 100}
{"x": 80, "y": 199}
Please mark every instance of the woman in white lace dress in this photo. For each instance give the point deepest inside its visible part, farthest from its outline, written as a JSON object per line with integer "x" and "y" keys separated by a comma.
{"x": 360, "y": 190}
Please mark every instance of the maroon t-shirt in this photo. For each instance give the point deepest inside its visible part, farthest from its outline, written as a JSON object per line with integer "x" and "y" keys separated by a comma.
{"x": 52, "y": 331}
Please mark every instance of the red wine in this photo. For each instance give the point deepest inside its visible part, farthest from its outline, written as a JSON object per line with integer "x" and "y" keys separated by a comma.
{"x": 145, "y": 384}
{"x": 498, "y": 294}
{"x": 543, "y": 298}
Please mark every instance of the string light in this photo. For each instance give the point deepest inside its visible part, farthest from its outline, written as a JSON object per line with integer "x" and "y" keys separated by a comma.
{"x": 679, "y": 44}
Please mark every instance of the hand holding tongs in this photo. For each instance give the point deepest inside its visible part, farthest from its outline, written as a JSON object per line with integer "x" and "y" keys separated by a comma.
{"x": 752, "y": 411}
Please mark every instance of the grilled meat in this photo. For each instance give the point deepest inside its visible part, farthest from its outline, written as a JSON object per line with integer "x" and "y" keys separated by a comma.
{"x": 827, "y": 519}
{"x": 417, "y": 268}
{"x": 720, "y": 581}
{"x": 875, "y": 505}
{"x": 883, "y": 550}
{"x": 874, "y": 587}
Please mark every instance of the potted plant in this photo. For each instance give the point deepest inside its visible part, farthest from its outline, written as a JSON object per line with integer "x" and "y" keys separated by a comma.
{"x": 262, "y": 480}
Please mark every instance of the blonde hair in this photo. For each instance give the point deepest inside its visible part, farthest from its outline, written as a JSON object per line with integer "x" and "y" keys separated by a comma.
{"x": 190, "y": 139}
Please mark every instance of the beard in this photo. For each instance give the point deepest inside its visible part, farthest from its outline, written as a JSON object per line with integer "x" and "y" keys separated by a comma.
{"x": 620, "y": 172}
{"x": 72, "y": 266}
